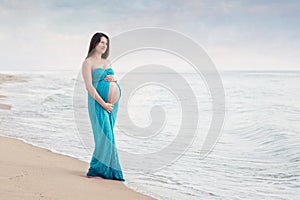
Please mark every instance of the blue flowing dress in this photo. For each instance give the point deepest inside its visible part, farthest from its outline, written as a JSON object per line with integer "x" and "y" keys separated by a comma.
{"x": 105, "y": 161}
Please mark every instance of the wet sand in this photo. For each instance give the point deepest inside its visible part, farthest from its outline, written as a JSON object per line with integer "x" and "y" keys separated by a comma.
{"x": 28, "y": 172}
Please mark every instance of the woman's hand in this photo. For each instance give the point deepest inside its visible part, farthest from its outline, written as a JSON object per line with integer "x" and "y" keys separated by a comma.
{"x": 110, "y": 78}
{"x": 108, "y": 107}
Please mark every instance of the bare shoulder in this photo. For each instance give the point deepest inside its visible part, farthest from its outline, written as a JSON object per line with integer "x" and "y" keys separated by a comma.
{"x": 87, "y": 63}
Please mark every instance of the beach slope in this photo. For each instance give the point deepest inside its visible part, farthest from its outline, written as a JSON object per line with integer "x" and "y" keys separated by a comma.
{"x": 28, "y": 172}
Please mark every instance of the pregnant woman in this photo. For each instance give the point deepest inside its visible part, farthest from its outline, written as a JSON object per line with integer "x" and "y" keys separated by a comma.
{"x": 103, "y": 98}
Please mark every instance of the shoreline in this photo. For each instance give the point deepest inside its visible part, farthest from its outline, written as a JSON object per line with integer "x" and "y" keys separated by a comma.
{"x": 30, "y": 172}
{"x": 8, "y": 78}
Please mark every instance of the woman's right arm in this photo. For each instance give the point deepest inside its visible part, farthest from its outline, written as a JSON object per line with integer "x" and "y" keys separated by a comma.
{"x": 87, "y": 76}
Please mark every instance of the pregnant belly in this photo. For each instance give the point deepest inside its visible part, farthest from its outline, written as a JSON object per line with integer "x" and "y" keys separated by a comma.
{"x": 113, "y": 92}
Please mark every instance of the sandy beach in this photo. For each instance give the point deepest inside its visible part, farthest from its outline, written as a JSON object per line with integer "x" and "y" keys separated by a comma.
{"x": 28, "y": 172}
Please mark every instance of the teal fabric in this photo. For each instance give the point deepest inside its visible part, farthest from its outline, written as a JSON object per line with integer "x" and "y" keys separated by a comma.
{"x": 105, "y": 161}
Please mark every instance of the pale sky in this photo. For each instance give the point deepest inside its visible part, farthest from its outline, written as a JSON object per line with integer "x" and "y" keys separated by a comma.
{"x": 239, "y": 35}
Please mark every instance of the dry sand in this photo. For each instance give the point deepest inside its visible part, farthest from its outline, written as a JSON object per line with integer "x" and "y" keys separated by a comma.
{"x": 28, "y": 172}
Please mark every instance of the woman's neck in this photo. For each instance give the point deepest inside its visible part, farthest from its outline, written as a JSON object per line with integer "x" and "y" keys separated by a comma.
{"x": 97, "y": 56}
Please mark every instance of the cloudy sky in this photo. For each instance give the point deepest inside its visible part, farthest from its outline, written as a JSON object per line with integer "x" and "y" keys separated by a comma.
{"x": 240, "y": 35}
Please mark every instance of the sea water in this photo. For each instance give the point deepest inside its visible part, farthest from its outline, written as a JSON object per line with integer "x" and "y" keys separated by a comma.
{"x": 256, "y": 156}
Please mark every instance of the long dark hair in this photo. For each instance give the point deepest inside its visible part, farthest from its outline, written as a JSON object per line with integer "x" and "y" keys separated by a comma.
{"x": 95, "y": 41}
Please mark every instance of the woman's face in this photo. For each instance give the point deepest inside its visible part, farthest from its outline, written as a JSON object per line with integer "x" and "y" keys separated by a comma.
{"x": 102, "y": 45}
